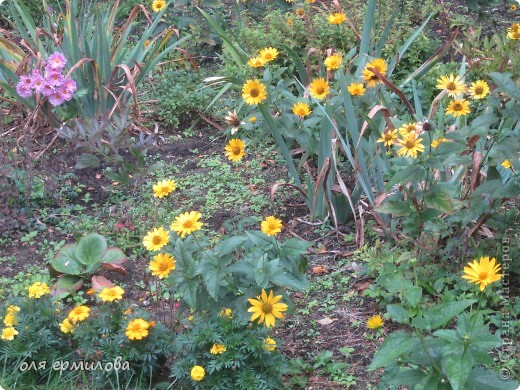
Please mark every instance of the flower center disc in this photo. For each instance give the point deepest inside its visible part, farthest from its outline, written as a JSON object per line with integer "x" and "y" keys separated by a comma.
{"x": 254, "y": 92}
{"x": 235, "y": 150}
{"x": 457, "y": 107}
{"x": 410, "y": 144}
{"x": 156, "y": 240}
{"x": 451, "y": 86}
{"x": 267, "y": 308}
{"x": 479, "y": 91}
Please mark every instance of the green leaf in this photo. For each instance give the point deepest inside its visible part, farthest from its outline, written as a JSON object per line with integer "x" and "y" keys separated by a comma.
{"x": 406, "y": 175}
{"x": 399, "y": 208}
{"x": 229, "y": 245}
{"x": 323, "y": 358}
{"x": 114, "y": 255}
{"x": 395, "y": 345}
{"x": 398, "y": 313}
{"x": 91, "y": 249}
{"x": 260, "y": 240}
{"x": 65, "y": 285}
{"x": 65, "y": 261}
{"x": 87, "y": 160}
{"x": 407, "y": 376}
{"x": 485, "y": 379}
{"x": 457, "y": 369}
{"x": 413, "y": 296}
{"x": 285, "y": 280}
{"x": 439, "y": 200}
{"x": 445, "y": 312}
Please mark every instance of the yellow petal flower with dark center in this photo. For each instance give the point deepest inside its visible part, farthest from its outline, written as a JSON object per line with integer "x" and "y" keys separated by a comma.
{"x": 253, "y": 92}
{"x": 156, "y": 239}
{"x": 319, "y": 88}
{"x": 437, "y": 142}
{"x": 267, "y": 308}
{"x": 38, "y": 290}
{"x": 301, "y": 109}
{"x": 164, "y": 188}
{"x": 375, "y": 322}
{"x": 458, "y": 107}
{"x": 256, "y": 62}
{"x": 217, "y": 349}
{"x": 271, "y": 226}
{"x": 369, "y": 77}
{"x": 8, "y": 333}
{"x": 161, "y": 265}
{"x": 110, "y": 294}
{"x": 482, "y": 272}
{"x": 197, "y": 373}
{"x": 137, "y": 329}
{"x": 333, "y": 62}
{"x": 388, "y": 137}
{"x": 187, "y": 223}
{"x": 356, "y": 89}
{"x": 268, "y": 54}
{"x": 452, "y": 84}
{"x": 408, "y": 128}
{"x": 270, "y": 344}
{"x": 336, "y": 18}
{"x": 235, "y": 149}
{"x": 158, "y": 5}
{"x": 479, "y": 89}
{"x": 79, "y": 313}
{"x": 410, "y": 146}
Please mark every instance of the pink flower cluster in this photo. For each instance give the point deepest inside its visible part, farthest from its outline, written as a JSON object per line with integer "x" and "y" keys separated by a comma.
{"x": 51, "y": 84}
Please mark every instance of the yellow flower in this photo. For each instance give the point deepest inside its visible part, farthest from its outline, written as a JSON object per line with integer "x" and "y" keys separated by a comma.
{"x": 483, "y": 272}
{"x": 127, "y": 311}
{"x": 90, "y": 291}
{"x": 437, "y": 142}
{"x": 269, "y": 54}
{"x": 271, "y": 226}
{"x": 197, "y": 373}
{"x": 513, "y": 32}
{"x": 369, "y": 77}
{"x": 266, "y": 308}
{"x": 79, "y": 313}
{"x": 458, "y": 107}
{"x": 38, "y": 289}
{"x": 225, "y": 312}
{"x": 452, "y": 84}
{"x": 252, "y": 119}
{"x": 9, "y": 333}
{"x": 187, "y": 223}
{"x": 162, "y": 265}
{"x": 479, "y": 89}
{"x": 388, "y": 137}
{"x": 333, "y": 61}
{"x": 253, "y": 92}
{"x": 506, "y": 164}
{"x": 408, "y": 128}
{"x": 300, "y": 12}
{"x": 158, "y": 5}
{"x": 111, "y": 294}
{"x": 10, "y": 319}
{"x": 217, "y": 349}
{"x": 164, "y": 187}
{"x": 301, "y": 109}
{"x": 137, "y": 329}
{"x": 319, "y": 88}
{"x": 375, "y": 322}
{"x": 12, "y": 309}
{"x": 146, "y": 43}
{"x": 156, "y": 239}
{"x": 337, "y": 18}
{"x": 410, "y": 146}
{"x": 66, "y": 326}
{"x": 269, "y": 344}
{"x": 256, "y": 62}
{"x": 235, "y": 150}
{"x": 356, "y": 89}
{"x": 513, "y": 7}
{"x": 310, "y": 1}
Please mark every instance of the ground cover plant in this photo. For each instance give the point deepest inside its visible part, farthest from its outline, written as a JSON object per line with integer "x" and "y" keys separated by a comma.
{"x": 259, "y": 195}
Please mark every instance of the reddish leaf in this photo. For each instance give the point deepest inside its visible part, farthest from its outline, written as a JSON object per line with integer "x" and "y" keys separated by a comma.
{"x": 100, "y": 282}
{"x": 114, "y": 267}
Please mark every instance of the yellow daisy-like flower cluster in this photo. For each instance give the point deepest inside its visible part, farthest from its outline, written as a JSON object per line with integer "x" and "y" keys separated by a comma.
{"x": 38, "y": 290}
{"x": 388, "y": 137}
{"x": 369, "y": 77}
{"x": 319, "y": 88}
{"x": 453, "y": 85}
{"x": 187, "y": 223}
{"x": 301, "y": 109}
{"x": 333, "y": 62}
{"x": 164, "y": 188}
{"x": 269, "y": 344}
{"x": 267, "y": 308}
{"x": 356, "y": 89}
{"x": 226, "y": 312}
{"x": 336, "y": 18}
{"x": 161, "y": 265}
{"x": 137, "y": 329}
{"x": 375, "y": 322}
{"x": 482, "y": 272}
{"x": 217, "y": 349}
{"x": 111, "y": 294}
{"x": 156, "y": 239}
{"x": 10, "y": 316}
{"x": 438, "y": 141}
{"x": 8, "y": 333}
{"x": 256, "y": 62}
{"x": 158, "y": 5}
{"x": 265, "y": 55}
{"x": 197, "y": 373}
{"x": 458, "y": 107}
{"x": 513, "y": 32}
{"x": 271, "y": 226}
{"x": 235, "y": 150}
{"x": 253, "y": 92}
{"x": 411, "y": 145}
{"x": 79, "y": 313}
{"x": 455, "y": 88}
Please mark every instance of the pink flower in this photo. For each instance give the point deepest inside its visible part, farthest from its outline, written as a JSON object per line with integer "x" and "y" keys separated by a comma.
{"x": 23, "y": 90}
{"x": 48, "y": 89}
{"x": 56, "y": 99}
{"x": 26, "y": 81}
{"x": 56, "y": 61}
{"x": 54, "y": 78}
{"x": 70, "y": 85}
{"x": 38, "y": 83}
{"x": 65, "y": 93}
